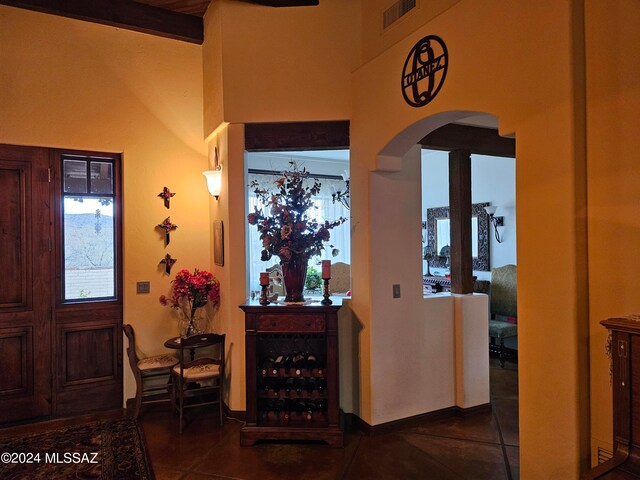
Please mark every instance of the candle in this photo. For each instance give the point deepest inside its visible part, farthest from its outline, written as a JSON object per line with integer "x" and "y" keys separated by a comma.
{"x": 264, "y": 279}
{"x": 326, "y": 269}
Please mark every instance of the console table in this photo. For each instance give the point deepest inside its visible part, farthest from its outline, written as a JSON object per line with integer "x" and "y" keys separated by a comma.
{"x": 625, "y": 355}
{"x": 291, "y": 373}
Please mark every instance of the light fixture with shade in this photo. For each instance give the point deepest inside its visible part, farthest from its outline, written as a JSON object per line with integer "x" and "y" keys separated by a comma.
{"x": 214, "y": 177}
{"x": 495, "y": 221}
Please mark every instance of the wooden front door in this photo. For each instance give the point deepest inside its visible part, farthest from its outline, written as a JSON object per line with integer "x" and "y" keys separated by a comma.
{"x": 25, "y": 283}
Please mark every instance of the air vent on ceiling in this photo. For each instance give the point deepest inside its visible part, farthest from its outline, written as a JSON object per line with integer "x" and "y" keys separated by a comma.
{"x": 603, "y": 455}
{"x": 397, "y": 10}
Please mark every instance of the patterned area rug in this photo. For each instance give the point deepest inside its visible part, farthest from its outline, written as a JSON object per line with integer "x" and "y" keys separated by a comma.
{"x": 104, "y": 450}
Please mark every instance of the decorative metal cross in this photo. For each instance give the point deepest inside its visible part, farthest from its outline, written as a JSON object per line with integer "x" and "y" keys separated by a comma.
{"x": 167, "y": 226}
{"x": 168, "y": 263}
{"x": 166, "y": 195}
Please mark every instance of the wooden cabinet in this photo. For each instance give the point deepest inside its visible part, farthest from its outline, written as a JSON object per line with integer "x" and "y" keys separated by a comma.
{"x": 625, "y": 355}
{"x": 294, "y": 397}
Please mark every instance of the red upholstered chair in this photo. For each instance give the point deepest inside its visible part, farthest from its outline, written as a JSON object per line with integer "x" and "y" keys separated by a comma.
{"x": 149, "y": 373}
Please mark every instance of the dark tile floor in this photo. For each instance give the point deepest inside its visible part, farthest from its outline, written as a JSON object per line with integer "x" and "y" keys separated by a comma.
{"x": 480, "y": 446}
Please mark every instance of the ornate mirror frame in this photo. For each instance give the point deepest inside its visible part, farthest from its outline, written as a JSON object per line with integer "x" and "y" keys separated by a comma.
{"x": 481, "y": 262}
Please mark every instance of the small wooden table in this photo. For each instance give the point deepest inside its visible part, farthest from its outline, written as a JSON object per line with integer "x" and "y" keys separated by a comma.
{"x": 174, "y": 343}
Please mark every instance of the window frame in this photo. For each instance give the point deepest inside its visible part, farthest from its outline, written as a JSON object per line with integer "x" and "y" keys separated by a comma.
{"x": 59, "y": 195}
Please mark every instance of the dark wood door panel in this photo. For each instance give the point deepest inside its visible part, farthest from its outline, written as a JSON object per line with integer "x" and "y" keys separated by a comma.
{"x": 89, "y": 366}
{"x": 25, "y": 283}
{"x": 88, "y": 353}
{"x": 13, "y": 232}
{"x": 16, "y": 374}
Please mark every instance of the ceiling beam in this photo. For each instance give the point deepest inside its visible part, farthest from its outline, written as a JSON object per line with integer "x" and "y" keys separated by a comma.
{"x": 323, "y": 135}
{"x": 478, "y": 140}
{"x": 123, "y": 14}
{"x": 287, "y": 3}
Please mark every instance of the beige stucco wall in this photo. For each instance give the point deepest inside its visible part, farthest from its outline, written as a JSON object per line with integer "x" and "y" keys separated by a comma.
{"x": 524, "y": 76}
{"x": 71, "y": 84}
{"x": 280, "y": 64}
{"x": 613, "y": 103}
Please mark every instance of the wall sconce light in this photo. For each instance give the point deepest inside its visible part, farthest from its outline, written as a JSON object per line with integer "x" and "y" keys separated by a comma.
{"x": 495, "y": 221}
{"x": 343, "y": 196}
{"x": 214, "y": 177}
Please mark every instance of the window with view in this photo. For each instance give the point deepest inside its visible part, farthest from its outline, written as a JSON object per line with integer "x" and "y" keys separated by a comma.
{"x": 88, "y": 225}
{"x": 265, "y": 168}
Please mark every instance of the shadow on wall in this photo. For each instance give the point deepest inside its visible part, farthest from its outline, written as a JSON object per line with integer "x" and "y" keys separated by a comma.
{"x": 349, "y": 328}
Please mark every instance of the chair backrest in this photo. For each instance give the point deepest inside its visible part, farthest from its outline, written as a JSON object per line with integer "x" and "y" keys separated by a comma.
{"x": 203, "y": 340}
{"x": 340, "y": 277}
{"x": 504, "y": 291}
{"x": 131, "y": 348}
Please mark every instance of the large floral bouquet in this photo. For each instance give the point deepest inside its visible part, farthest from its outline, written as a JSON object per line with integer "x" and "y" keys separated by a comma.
{"x": 191, "y": 291}
{"x": 288, "y": 231}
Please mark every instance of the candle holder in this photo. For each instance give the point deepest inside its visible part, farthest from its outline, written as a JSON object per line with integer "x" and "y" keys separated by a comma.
{"x": 327, "y": 300}
{"x": 263, "y": 295}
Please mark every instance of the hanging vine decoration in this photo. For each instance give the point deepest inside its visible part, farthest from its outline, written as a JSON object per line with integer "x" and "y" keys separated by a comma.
{"x": 167, "y": 226}
{"x": 166, "y": 195}
{"x": 168, "y": 263}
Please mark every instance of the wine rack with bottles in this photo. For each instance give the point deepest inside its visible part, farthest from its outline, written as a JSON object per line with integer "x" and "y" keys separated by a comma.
{"x": 291, "y": 373}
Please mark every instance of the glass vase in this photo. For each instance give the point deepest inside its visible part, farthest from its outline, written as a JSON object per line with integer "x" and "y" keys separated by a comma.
{"x": 294, "y": 274}
{"x": 192, "y": 324}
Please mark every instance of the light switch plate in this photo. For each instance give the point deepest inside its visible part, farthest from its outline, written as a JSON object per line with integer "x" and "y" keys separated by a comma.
{"x": 143, "y": 287}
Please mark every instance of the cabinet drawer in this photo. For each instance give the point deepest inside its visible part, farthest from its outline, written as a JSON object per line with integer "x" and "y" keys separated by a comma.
{"x": 290, "y": 323}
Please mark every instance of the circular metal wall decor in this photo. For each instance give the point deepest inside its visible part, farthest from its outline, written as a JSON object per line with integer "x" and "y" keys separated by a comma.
{"x": 424, "y": 71}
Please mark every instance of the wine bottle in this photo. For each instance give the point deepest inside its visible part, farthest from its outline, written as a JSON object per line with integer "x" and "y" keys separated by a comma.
{"x": 278, "y": 364}
{"x": 311, "y": 407}
{"x": 300, "y": 407}
{"x": 300, "y": 385}
{"x": 280, "y": 410}
{"x": 267, "y": 409}
{"x": 275, "y": 386}
{"x": 289, "y": 385}
{"x": 322, "y": 385}
{"x": 267, "y": 366}
{"x": 321, "y": 406}
{"x": 287, "y": 363}
{"x": 298, "y": 363}
{"x": 312, "y": 362}
{"x": 311, "y": 384}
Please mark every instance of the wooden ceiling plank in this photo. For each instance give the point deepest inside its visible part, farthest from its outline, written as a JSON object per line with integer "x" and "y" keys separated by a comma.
{"x": 123, "y": 14}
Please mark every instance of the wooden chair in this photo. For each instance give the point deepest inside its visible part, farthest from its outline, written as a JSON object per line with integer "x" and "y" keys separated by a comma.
{"x": 503, "y": 301}
{"x": 148, "y": 373}
{"x": 190, "y": 377}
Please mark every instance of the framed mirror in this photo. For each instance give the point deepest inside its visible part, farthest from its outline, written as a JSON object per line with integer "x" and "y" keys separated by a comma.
{"x": 438, "y": 236}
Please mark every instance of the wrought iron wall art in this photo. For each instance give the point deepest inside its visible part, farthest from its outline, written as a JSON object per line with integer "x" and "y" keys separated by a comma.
{"x": 424, "y": 71}
{"x": 438, "y": 257}
{"x": 168, "y": 262}
{"x": 166, "y": 195}
{"x": 168, "y": 227}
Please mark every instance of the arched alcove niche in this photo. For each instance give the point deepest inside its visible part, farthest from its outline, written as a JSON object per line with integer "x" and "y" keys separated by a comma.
{"x": 445, "y": 337}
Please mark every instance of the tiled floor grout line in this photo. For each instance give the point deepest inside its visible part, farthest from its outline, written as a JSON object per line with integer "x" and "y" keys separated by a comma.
{"x": 493, "y": 444}
{"x": 347, "y": 467}
{"x": 436, "y": 460}
{"x": 502, "y": 445}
